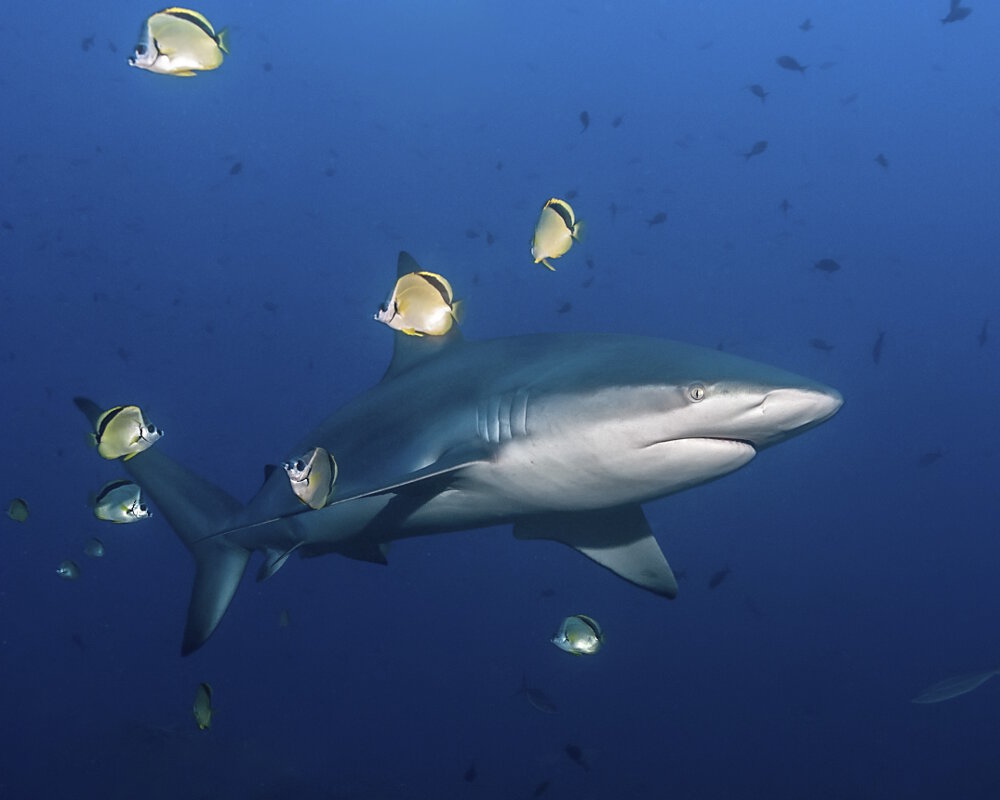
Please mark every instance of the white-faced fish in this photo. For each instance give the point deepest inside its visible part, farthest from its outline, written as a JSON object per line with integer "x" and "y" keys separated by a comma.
{"x": 421, "y": 303}
{"x": 203, "y": 706}
{"x": 123, "y": 431}
{"x": 555, "y": 232}
{"x": 179, "y": 41}
{"x": 17, "y": 510}
{"x": 954, "y": 687}
{"x": 121, "y": 502}
{"x": 312, "y": 476}
{"x": 94, "y": 548}
{"x": 68, "y": 570}
{"x": 579, "y": 635}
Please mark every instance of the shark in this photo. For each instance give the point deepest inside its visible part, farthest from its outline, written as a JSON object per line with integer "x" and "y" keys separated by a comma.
{"x": 564, "y": 436}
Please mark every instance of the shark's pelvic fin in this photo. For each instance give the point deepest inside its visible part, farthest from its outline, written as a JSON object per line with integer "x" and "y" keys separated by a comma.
{"x": 195, "y": 509}
{"x": 408, "y": 351}
{"x": 619, "y": 539}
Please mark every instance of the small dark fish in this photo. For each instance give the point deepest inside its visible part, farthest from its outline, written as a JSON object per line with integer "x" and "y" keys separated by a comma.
{"x": 983, "y": 332}
{"x": 499, "y": 166}
{"x": 9, "y": 226}
{"x": 820, "y": 344}
{"x": 547, "y": 592}
{"x": 657, "y": 219}
{"x": 112, "y": 47}
{"x": 576, "y": 756}
{"x": 537, "y": 698}
{"x": 758, "y": 91}
{"x": 570, "y": 194}
{"x": 828, "y": 65}
{"x": 236, "y": 168}
{"x": 826, "y": 265}
{"x": 929, "y": 458}
{"x": 587, "y": 282}
{"x": 784, "y": 205}
{"x": 330, "y": 171}
{"x": 87, "y": 43}
{"x": 617, "y": 121}
{"x": 565, "y": 308}
{"x": 471, "y": 234}
{"x": 846, "y": 101}
{"x": 270, "y": 306}
{"x": 877, "y": 348}
{"x": 78, "y": 642}
{"x": 584, "y": 120}
{"x": 590, "y": 263}
{"x": 470, "y": 773}
{"x": 267, "y": 66}
{"x": 756, "y": 150}
{"x": 956, "y": 12}
{"x": 806, "y": 26}
{"x": 718, "y": 577}
{"x": 490, "y": 238}
{"x": 612, "y": 208}
{"x": 541, "y": 789}
{"x": 882, "y": 161}
{"x": 124, "y": 354}
{"x": 789, "y": 63}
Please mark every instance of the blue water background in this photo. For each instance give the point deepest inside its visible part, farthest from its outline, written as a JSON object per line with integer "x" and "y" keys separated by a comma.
{"x": 236, "y": 309}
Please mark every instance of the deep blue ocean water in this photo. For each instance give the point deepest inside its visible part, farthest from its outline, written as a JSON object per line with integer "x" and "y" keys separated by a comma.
{"x": 236, "y": 309}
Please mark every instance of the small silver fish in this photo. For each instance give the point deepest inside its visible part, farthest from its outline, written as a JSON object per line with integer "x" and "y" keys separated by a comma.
{"x": 68, "y": 570}
{"x": 120, "y": 502}
{"x": 954, "y": 687}
{"x": 579, "y": 635}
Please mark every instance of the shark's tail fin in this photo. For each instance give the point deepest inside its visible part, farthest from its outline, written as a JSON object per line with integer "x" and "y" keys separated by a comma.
{"x": 195, "y": 509}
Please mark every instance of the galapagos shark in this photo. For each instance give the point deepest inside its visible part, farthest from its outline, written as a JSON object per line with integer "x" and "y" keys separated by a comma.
{"x": 563, "y": 435}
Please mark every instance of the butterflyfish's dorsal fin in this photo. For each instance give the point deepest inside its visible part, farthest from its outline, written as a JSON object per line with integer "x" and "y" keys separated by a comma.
{"x": 618, "y": 539}
{"x": 408, "y": 350}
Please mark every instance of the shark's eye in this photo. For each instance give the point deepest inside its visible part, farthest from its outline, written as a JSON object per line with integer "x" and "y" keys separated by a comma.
{"x": 696, "y": 392}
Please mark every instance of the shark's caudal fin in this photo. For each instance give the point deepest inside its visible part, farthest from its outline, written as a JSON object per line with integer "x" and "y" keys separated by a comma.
{"x": 195, "y": 510}
{"x": 619, "y": 539}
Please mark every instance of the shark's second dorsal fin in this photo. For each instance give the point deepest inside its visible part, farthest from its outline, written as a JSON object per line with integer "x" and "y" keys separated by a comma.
{"x": 408, "y": 351}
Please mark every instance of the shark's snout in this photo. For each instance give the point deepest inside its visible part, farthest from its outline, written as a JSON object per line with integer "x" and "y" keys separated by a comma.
{"x": 790, "y": 411}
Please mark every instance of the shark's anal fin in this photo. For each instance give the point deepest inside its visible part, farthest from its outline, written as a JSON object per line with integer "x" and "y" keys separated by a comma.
{"x": 619, "y": 539}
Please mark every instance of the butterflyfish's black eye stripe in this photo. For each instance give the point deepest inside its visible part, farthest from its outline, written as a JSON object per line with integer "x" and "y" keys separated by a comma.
{"x": 110, "y": 488}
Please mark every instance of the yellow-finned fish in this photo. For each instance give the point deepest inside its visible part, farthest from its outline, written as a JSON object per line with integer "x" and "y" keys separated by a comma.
{"x": 120, "y": 501}
{"x": 18, "y": 510}
{"x": 312, "y": 476}
{"x": 179, "y": 41}
{"x": 555, "y": 232}
{"x": 122, "y": 431}
{"x": 421, "y": 303}
{"x": 579, "y": 635}
{"x": 203, "y": 706}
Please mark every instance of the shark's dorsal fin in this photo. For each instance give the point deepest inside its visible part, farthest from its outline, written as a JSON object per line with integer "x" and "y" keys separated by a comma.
{"x": 619, "y": 539}
{"x": 408, "y": 351}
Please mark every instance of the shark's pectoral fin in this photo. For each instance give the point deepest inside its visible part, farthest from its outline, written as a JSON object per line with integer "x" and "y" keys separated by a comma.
{"x": 619, "y": 539}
